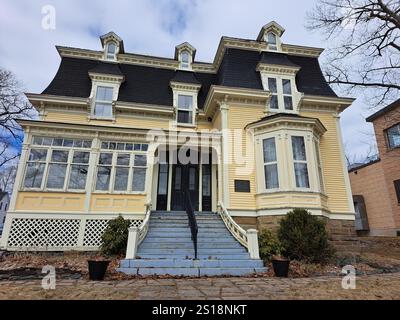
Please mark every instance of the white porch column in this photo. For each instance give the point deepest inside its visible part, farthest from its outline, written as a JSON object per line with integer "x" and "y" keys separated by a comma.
{"x": 224, "y": 184}
{"x": 91, "y": 179}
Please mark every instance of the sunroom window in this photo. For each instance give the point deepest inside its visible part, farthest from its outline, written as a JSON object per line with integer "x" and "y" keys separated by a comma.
{"x": 300, "y": 162}
{"x": 270, "y": 164}
{"x": 103, "y": 102}
{"x": 185, "y": 109}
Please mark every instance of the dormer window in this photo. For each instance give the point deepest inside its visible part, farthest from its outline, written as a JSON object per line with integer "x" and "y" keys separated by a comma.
{"x": 272, "y": 41}
{"x": 185, "y": 60}
{"x": 185, "y": 109}
{"x": 103, "y": 102}
{"x": 111, "y": 51}
{"x": 281, "y": 94}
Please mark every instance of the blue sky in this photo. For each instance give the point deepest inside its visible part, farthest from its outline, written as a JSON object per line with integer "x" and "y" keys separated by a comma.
{"x": 154, "y": 27}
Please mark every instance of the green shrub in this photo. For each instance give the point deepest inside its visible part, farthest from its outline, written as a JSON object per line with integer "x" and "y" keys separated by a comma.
{"x": 304, "y": 237}
{"x": 115, "y": 238}
{"x": 269, "y": 245}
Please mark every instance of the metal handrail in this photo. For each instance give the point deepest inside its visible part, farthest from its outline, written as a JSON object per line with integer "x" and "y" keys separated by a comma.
{"x": 192, "y": 221}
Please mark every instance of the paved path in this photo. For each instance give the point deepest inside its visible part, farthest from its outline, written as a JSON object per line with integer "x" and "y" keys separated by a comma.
{"x": 386, "y": 286}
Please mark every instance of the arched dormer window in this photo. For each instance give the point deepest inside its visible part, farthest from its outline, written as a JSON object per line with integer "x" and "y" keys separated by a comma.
{"x": 272, "y": 41}
{"x": 111, "y": 51}
{"x": 185, "y": 60}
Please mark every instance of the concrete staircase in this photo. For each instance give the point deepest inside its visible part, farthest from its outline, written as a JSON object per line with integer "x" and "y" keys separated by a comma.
{"x": 168, "y": 249}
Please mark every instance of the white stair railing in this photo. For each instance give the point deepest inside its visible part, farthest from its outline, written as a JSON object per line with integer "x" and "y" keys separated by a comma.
{"x": 248, "y": 238}
{"x": 137, "y": 235}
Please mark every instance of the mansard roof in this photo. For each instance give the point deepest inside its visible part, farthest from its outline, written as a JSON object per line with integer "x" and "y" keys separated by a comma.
{"x": 147, "y": 79}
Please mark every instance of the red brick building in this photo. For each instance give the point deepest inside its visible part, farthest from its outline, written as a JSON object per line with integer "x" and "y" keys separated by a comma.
{"x": 376, "y": 185}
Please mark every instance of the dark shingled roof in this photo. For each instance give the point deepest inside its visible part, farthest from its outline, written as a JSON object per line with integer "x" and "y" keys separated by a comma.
{"x": 150, "y": 85}
{"x": 185, "y": 77}
{"x": 107, "y": 68}
{"x": 276, "y": 59}
{"x": 381, "y": 112}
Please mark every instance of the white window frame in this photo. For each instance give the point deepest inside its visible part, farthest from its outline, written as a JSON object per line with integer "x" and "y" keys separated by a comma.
{"x": 191, "y": 93}
{"x": 286, "y": 173}
{"x": 69, "y": 163}
{"x": 185, "y": 65}
{"x": 114, "y": 165}
{"x": 273, "y": 47}
{"x": 95, "y": 84}
{"x": 276, "y": 162}
{"x": 108, "y": 57}
{"x": 279, "y": 83}
{"x": 306, "y": 162}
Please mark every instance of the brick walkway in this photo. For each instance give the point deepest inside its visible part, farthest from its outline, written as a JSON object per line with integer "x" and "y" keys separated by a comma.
{"x": 386, "y": 286}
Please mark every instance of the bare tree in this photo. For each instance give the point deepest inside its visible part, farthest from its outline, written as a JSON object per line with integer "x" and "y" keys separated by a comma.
{"x": 365, "y": 51}
{"x": 7, "y": 176}
{"x": 13, "y": 106}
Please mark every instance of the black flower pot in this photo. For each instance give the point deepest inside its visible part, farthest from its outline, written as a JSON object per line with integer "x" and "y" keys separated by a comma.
{"x": 281, "y": 267}
{"x": 97, "y": 269}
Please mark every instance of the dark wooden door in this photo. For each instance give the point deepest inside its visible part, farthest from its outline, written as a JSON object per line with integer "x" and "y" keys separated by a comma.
{"x": 185, "y": 177}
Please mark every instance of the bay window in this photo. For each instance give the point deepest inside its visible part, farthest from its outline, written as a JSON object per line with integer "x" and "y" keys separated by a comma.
{"x": 300, "y": 162}
{"x": 270, "y": 164}
{"x": 103, "y": 102}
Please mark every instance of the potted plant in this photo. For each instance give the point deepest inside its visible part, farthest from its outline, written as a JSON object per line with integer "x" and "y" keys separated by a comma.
{"x": 113, "y": 242}
{"x": 280, "y": 264}
{"x": 97, "y": 268}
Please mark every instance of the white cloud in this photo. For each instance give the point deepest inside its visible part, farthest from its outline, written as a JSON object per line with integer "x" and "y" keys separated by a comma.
{"x": 148, "y": 27}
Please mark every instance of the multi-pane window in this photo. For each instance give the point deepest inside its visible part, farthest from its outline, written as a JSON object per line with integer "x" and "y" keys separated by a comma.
{"x": 123, "y": 169}
{"x": 62, "y": 165}
{"x": 393, "y": 135}
{"x": 270, "y": 164}
{"x": 185, "y": 60}
{"x": 185, "y": 109}
{"x": 103, "y": 102}
{"x": 300, "y": 162}
{"x": 35, "y": 168}
{"x": 111, "y": 51}
{"x": 281, "y": 94}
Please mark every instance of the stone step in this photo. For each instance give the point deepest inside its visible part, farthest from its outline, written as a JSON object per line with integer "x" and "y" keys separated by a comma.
{"x": 202, "y": 238}
{"x": 189, "y": 245}
{"x": 174, "y": 251}
{"x": 194, "y": 272}
{"x": 238, "y": 256}
{"x": 161, "y": 222}
{"x": 179, "y": 229}
{"x": 188, "y": 263}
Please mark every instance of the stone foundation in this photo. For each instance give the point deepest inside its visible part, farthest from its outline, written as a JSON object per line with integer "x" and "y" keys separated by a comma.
{"x": 342, "y": 233}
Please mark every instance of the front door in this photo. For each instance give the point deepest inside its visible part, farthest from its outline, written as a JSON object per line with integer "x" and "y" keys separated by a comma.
{"x": 184, "y": 177}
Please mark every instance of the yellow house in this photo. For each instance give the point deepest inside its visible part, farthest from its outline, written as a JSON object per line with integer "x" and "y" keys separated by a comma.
{"x": 251, "y": 135}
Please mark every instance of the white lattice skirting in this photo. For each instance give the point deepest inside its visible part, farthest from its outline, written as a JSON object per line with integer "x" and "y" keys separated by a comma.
{"x": 57, "y": 233}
